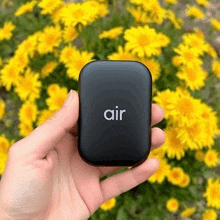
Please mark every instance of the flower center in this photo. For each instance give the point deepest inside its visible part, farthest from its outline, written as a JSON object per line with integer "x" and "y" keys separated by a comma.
{"x": 143, "y": 40}
{"x": 50, "y": 39}
{"x": 29, "y": 113}
{"x": 176, "y": 175}
{"x": 191, "y": 74}
{"x": 27, "y": 85}
{"x": 185, "y": 106}
{"x": 188, "y": 56}
{"x": 11, "y": 73}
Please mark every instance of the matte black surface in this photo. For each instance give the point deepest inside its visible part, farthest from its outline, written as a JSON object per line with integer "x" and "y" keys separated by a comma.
{"x": 104, "y": 85}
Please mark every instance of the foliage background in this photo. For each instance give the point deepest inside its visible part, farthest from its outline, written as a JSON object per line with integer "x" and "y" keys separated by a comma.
{"x": 148, "y": 200}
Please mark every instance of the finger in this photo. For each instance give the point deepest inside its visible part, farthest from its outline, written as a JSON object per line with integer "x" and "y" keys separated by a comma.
{"x": 122, "y": 182}
{"x": 74, "y": 129}
{"x": 158, "y": 137}
{"x": 157, "y": 114}
{"x": 45, "y": 137}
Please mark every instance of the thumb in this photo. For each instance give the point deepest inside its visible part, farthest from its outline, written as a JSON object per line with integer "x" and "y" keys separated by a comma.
{"x": 46, "y": 136}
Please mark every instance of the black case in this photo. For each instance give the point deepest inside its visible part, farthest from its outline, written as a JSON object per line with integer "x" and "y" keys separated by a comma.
{"x": 115, "y": 113}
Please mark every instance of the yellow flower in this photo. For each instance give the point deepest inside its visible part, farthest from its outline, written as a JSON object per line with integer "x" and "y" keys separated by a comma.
{"x": 215, "y": 23}
{"x": 173, "y": 145}
{"x": 3, "y": 160}
{"x": 50, "y": 38}
{"x": 75, "y": 13}
{"x": 210, "y": 125}
{"x": 80, "y": 59}
{"x": 69, "y": 34}
{"x": 56, "y": 100}
{"x": 211, "y": 158}
{"x": 172, "y": 205}
{"x": 112, "y": 33}
{"x": 6, "y": 30}
{"x": 157, "y": 153}
{"x": 172, "y": 2}
{"x": 52, "y": 89}
{"x": 56, "y": 15}
{"x": 109, "y": 204}
{"x": 44, "y": 115}
{"x": 28, "y": 86}
{"x": 4, "y": 148}
{"x": 211, "y": 51}
{"x": 177, "y": 22}
{"x": 48, "y": 68}
{"x": 100, "y": 10}
{"x": 165, "y": 99}
{"x": 194, "y": 12}
{"x": 192, "y": 136}
{"x": 9, "y": 75}
{"x": 21, "y": 60}
{"x": 4, "y": 145}
{"x": 185, "y": 110}
{"x": 25, "y": 8}
{"x": 66, "y": 55}
{"x": 156, "y": 13}
{"x": 28, "y": 112}
{"x": 28, "y": 46}
{"x": 1, "y": 62}
{"x": 212, "y": 193}
{"x": 48, "y": 6}
{"x": 188, "y": 212}
{"x": 162, "y": 171}
{"x": 199, "y": 155}
{"x": 197, "y": 42}
{"x": 139, "y": 15}
{"x": 185, "y": 182}
{"x": 121, "y": 54}
{"x": 176, "y": 175}
{"x": 25, "y": 128}
{"x": 153, "y": 65}
{"x": 203, "y": 2}
{"x": 216, "y": 67}
{"x": 188, "y": 55}
{"x": 194, "y": 76}
{"x": 2, "y": 109}
{"x": 209, "y": 214}
{"x": 145, "y": 41}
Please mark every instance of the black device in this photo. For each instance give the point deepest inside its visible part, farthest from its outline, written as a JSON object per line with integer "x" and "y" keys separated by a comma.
{"x": 114, "y": 113}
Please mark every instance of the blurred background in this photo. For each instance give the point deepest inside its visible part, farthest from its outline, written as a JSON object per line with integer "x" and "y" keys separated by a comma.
{"x": 45, "y": 43}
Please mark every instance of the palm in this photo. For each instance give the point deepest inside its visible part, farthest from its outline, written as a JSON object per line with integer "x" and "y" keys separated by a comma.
{"x": 75, "y": 183}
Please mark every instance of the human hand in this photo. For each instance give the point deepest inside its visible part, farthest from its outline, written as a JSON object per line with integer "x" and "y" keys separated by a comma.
{"x": 46, "y": 179}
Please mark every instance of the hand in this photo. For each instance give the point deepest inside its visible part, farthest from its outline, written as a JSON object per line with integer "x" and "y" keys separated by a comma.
{"x": 45, "y": 178}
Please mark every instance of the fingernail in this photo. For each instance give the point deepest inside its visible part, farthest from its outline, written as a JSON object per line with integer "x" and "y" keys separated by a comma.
{"x": 69, "y": 98}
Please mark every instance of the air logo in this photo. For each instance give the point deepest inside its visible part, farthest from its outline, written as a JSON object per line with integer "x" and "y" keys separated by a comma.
{"x": 114, "y": 114}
